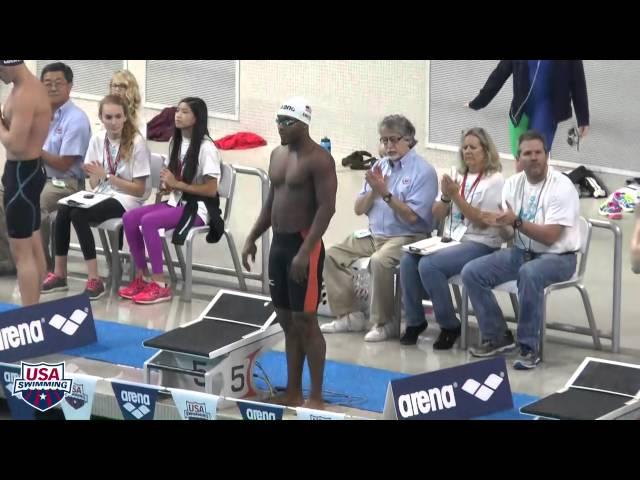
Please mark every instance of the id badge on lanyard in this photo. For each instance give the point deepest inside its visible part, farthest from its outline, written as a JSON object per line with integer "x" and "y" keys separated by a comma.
{"x": 458, "y": 232}
{"x": 112, "y": 164}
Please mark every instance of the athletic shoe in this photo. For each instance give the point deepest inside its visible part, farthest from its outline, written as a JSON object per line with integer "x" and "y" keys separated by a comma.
{"x": 135, "y": 287}
{"x": 54, "y": 283}
{"x": 153, "y": 293}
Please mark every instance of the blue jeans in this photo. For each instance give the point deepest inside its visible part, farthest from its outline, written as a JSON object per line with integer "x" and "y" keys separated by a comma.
{"x": 420, "y": 275}
{"x": 482, "y": 274}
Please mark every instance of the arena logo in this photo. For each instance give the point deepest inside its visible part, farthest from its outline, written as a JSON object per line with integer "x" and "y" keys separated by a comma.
{"x": 26, "y": 333}
{"x": 426, "y": 401}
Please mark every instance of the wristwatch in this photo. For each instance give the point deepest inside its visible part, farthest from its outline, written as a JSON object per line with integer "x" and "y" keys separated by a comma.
{"x": 387, "y": 197}
{"x": 517, "y": 223}
{"x": 108, "y": 177}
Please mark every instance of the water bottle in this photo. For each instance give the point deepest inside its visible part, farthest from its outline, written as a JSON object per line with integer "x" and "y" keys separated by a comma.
{"x": 326, "y": 144}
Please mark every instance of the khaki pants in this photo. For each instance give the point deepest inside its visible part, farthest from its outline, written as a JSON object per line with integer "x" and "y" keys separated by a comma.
{"x": 384, "y": 253}
{"x": 49, "y": 204}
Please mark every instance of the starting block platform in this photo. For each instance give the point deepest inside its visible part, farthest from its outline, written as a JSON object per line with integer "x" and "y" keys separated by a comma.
{"x": 598, "y": 390}
{"x": 217, "y": 352}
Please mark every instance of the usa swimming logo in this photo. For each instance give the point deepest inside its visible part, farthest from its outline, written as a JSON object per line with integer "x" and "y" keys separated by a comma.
{"x": 196, "y": 411}
{"x": 77, "y": 398}
{"x": 42, "y": 385}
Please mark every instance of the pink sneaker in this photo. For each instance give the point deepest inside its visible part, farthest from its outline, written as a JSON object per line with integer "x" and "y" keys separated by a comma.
{"x": 134, "y": 288}
{"x": 153, "y": 293}
{"x": 54, "y": 283}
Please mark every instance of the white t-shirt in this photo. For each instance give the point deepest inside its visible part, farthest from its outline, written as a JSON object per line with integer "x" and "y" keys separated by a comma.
{"x": 209, "y": 165}
{"x": 553, "y": 201}
{"x": 135, "y": 167}
{"x": 486, "y": 195}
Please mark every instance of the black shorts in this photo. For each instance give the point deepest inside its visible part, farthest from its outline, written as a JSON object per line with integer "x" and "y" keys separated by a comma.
{"x": 285, "y": 292}
{"x": 23, "y": 182}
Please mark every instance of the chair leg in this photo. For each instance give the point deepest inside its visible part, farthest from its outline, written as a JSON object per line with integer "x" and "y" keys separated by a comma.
{"x": 236, "y": 261}
{"x": 456, "y": 295}
{"x": 187, "y": 269}
{"x": 116, "y": 266}
{"x": 107, "y": 249}
{"x": 515, "y": 304}
{"x": 543, "y": 326}
{"x": 132, "y": 268}
{"x": 181, "y": 261}
{"x": 52, "y": 240}
{"x": 592, "y": 322}
{"x": 464, "y": 319}
{"x": 168, "y": 261}
{"x": 397, "y": 306}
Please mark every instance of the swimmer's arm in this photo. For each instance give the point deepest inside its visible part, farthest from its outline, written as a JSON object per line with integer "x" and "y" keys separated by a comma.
{"x": 263, "y": 223}
{"x": 325, "y": 182}
{"x": 135, "y": 187}
{"x": 59, "y": 162}
{"x": 16, "y": 140}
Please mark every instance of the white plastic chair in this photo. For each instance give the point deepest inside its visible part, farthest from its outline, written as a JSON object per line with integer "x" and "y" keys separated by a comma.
{"x": 226, "y": 189}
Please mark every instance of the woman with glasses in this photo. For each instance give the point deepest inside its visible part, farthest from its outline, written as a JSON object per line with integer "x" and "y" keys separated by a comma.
{"x": 191, "y": 180}
{"x": 125, "y": 85}
{"x": 477, "y": 186}
{"x": 117, "y": 164}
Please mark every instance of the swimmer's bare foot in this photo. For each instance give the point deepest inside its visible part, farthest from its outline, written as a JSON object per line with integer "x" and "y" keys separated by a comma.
{"x": 290, "y": 400}
{"x": 314, "y": 404}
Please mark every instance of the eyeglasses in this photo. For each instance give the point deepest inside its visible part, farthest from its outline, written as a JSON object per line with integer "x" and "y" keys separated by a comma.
{"x": 287, "y": 122}
{"x": 57, "y": 84}
{"x": 119, "y": 86}
{"x": 391, "y": 140}
{"x": 573, "y": 138}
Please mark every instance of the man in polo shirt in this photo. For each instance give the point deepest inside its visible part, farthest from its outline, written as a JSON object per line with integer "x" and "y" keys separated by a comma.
{"x": 66, "y": 145}
{"x": 398, "y": 194}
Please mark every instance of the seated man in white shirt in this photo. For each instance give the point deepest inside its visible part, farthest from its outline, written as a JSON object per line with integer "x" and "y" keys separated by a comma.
{"x": 541, "y": 210}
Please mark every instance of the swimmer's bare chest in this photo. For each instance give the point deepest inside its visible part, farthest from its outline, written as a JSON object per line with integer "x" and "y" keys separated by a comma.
{"x": 38, "y": 122}
{"x": 294, "y": 200}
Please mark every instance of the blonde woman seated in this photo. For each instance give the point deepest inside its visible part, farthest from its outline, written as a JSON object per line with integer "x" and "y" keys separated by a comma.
{"x": 477, "y": 187}
{"x": 124, "y": 84}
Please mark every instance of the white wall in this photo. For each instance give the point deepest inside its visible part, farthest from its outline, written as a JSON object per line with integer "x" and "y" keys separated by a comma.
{"x": 348, "y": 98}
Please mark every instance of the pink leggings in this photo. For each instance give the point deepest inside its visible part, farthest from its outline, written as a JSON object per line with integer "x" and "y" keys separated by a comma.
{"x": 151, "y": 218}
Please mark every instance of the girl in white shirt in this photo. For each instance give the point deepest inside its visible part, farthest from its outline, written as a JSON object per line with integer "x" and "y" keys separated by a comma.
{"x": 193, "y": 169}
{"x": 117, "y": 165}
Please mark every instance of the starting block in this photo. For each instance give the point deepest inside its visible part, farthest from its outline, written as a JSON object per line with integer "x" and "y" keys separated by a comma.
{"x": 217, "y": 352}
{"x": 598, "y": 390}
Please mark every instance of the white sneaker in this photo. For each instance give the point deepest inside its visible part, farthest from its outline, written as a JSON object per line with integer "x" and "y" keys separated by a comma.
{"x": 351, "y": 322}
{"x": 379, "y": 333}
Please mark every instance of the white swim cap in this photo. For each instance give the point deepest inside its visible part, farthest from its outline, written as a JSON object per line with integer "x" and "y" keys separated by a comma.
{"x": 296, "y": 107}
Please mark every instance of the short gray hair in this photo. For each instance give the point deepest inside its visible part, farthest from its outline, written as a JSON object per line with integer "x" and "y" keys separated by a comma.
{"x": 402, "y": 125}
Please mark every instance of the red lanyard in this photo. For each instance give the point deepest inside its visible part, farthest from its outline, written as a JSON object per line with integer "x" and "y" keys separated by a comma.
{"x": 473, "y": 185}
{"x": 471, "y": 190}
{"x": 113, "y": 166}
